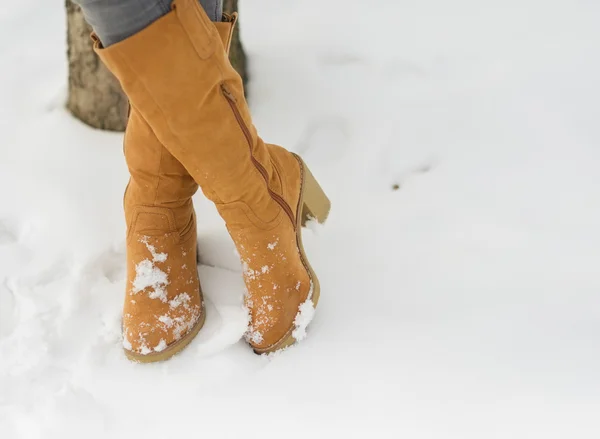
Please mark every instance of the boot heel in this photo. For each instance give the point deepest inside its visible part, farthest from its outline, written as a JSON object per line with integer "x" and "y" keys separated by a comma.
{"x": 315, "y": 204}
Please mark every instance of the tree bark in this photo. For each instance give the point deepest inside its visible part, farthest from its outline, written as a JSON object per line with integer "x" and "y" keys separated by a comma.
{"x": 237, "y": 55}
{"x": 95, "y": 96}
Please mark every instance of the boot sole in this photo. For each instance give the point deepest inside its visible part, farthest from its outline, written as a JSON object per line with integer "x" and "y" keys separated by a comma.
{"x": 175, "y": 348}
{"x": 313, "y": 204}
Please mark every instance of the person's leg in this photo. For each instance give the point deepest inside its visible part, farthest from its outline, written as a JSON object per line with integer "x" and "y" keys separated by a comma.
{"x": 161, "y": 220}
{"x": 213, "y": 8}
{"x": 177, "y": 75}
{"x": 163, "y": 308}
{"x": 116, "y": 20}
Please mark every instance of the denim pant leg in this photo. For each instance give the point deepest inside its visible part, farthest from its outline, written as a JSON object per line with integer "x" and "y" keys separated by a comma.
{"x": 115, "y": 20}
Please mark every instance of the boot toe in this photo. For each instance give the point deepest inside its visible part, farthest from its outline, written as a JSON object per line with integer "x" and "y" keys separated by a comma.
{"x": 148, "y": 333}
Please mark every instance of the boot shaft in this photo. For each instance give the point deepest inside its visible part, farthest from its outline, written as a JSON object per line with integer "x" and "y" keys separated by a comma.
{"x": 180, "y": 86}
{"x": 157, "y": 177}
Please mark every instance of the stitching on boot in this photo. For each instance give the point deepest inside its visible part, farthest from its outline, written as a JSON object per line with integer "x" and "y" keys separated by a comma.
{"x": 279, "y": 177}
{"x": 251, "y": 216}
{"x": 191, "y": 232}
{"x": 126, "y": 64}
{"x": 153, "y": 210}
{"x": 204, "y": 45}
{"x": 158, "y": 175}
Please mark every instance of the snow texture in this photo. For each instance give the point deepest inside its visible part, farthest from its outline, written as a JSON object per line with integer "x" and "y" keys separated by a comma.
{"x": 460, "y": 297}
{"x": 304, "y": 317}
{"x": 161, "y": 346}
{"x": 148, "y": 275}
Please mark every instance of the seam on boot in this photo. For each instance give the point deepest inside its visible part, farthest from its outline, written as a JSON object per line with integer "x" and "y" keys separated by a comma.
{"x": 250, "y": 215}
{"x": 126, "y": 64}
{"x": 160, "y": 160}
{"x": 152, "y": 210}
{"x": 279, "y": 177}
{"x": 188, "y": 230}
{"x": 204, "y": 45}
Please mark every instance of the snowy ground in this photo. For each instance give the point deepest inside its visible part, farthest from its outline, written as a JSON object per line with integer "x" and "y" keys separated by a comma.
{"x": 464, "y": 304}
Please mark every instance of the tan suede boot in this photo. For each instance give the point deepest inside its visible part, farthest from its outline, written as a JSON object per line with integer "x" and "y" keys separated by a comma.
{"x": 177, "y": 75}
{"x": 163, "y": 308}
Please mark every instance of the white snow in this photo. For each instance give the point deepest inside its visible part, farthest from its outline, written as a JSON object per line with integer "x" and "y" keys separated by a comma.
{"x": 161, "y": 346}
{"x": 254, "y": 336}
{"x": 166, "y": 320}
{"x": 156, "y": 256}
{"x": 148, "y": 275}
{"x": 304, "y": 317}
{"x": 126, "y": 342}
{"x": 460, "y": 297}
{"x": 181, "y": 299}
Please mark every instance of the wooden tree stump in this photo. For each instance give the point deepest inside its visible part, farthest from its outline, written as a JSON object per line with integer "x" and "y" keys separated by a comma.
{"x": 237, "y": 55}
{"x": 95, "y": 96}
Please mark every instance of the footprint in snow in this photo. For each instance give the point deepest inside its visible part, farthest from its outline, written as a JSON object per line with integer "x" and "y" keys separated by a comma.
{"x": 403, "y": 177}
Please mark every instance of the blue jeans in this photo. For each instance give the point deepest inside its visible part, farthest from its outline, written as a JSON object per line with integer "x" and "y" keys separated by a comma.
{"x": 115, "y": 20}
